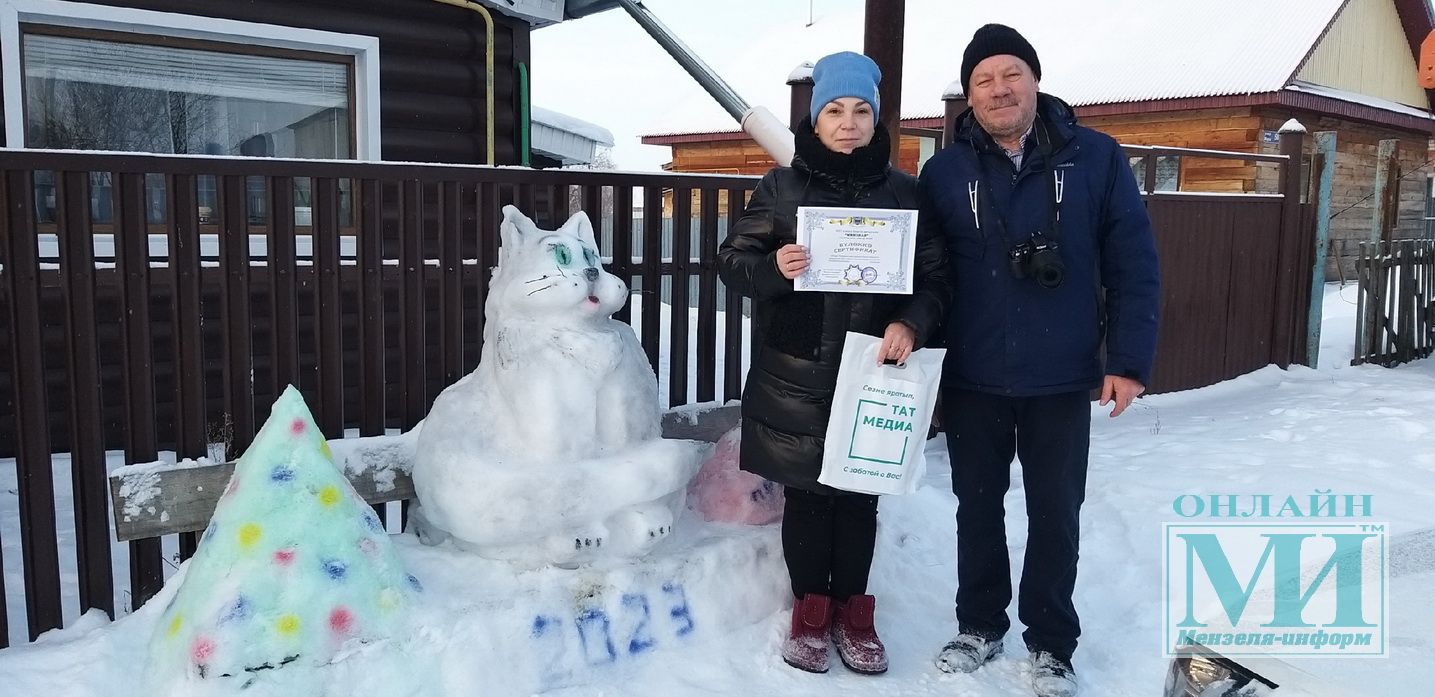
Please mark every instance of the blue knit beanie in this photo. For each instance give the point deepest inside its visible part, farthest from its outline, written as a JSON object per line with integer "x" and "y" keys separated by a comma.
{"x": 845, "y": 74}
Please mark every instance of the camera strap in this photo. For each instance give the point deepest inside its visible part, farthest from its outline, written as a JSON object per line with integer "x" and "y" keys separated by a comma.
{"x": 1058, "y": 179}
{"x": 1054, "y": 191}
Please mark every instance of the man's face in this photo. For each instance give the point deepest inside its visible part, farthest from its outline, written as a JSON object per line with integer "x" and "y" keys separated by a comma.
{"x": 1003, "y": 96}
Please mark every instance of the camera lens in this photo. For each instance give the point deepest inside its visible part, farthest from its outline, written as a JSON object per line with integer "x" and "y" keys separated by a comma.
{"x": 1049, "y": 277}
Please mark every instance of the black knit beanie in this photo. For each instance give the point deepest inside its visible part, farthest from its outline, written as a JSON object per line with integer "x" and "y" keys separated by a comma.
{"x": 996, "y": 40}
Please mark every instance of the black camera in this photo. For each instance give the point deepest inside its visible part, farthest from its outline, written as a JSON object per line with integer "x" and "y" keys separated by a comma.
{"x": 1040, "y": 259}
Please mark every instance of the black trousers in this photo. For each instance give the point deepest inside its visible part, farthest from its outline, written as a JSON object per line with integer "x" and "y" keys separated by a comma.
{"x": 828, "y": 542}
{"x": 1051, "y": 435}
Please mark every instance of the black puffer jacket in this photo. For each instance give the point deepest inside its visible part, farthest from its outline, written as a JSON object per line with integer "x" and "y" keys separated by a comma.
{"x": 788, "y": 395}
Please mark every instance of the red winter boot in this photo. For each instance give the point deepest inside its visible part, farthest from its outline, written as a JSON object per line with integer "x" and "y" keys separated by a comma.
{"x": 856, "y": 637}
{"x": 806, "y": 646}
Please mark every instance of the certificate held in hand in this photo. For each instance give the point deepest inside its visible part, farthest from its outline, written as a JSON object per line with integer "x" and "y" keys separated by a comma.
{"x": 857, "y": 250}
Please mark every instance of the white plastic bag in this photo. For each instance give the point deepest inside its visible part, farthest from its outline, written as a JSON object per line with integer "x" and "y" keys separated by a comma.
{"x": 880, "y": 416}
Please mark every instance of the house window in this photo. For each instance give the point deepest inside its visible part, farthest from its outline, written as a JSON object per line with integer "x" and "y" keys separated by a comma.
{"x": 110, "y": 91}
{"x": 1430, "y": 207}
{"x": 78, "y": 76}
{"x": 1168, "y": 172}
{"x": 202, "y": 84}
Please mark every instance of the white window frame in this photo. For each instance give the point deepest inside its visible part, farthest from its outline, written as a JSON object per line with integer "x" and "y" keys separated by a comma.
{"x": 1428, "y": 220}
{"x": 363, "y": 49}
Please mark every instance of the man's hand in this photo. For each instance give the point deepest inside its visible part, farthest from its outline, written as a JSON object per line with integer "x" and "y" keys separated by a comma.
{"x": 897, "y": 343}
{"x": 1120, "y": 390}
{"x": 792, "y": 260}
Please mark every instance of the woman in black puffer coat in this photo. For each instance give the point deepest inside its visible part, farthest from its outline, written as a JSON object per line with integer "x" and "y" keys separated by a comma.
{"x": 828, "y": 535}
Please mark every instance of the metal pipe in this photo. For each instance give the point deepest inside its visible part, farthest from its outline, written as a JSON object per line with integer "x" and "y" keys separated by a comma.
{"x": 734, "y": 105}
{"x": 488, "y": 69}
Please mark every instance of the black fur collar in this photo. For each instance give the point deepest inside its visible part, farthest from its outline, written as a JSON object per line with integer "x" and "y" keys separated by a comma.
{"x": 866, "y": 164}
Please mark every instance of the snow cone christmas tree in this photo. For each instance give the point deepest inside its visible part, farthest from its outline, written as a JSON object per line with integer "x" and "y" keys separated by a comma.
{"x": 294, "y": 569}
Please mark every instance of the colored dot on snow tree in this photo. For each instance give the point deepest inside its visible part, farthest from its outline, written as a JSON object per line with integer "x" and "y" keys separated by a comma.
{"x": 288, "y": 625}
{"x": 329, "y": 495}
{"x": 238, "y": 610}
{"x": 202, "y": 650}
{"x": 249, "y": 534}
{"x": 372, "y": 520}
{"x": 341, "y": 620}
{"x": 388, "y": 599}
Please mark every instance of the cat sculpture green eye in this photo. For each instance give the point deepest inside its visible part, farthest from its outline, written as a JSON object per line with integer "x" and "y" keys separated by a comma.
{"x": 561, "y": 254}
{"x": 590, "y": 256}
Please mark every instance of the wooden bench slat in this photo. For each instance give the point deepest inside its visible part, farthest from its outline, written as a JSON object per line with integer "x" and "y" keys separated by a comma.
{"x": 160, "y": 498}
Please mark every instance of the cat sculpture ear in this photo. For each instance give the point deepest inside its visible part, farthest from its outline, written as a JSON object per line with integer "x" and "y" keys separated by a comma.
{"x": 515, "y": 227}
{"x": 581, "y": 227}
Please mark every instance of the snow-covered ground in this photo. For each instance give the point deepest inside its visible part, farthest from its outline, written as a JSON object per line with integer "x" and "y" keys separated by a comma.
{"x": 1347, "y": 430}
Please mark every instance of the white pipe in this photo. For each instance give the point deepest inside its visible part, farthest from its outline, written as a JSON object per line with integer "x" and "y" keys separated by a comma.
{"x": 770, "y": 133}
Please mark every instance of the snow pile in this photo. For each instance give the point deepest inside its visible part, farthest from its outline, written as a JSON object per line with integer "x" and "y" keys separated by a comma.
{"x": 295, "y": 569}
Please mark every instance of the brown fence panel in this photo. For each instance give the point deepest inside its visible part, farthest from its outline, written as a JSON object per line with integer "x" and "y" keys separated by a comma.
{"x": 451, "y": 282}
{"x": 284, "y": 299}
{"x": 1218, "y": 306}
{"x": 678, "y": 318}
{"x": 238, "y": 350}
{"x": 1199, "y": 233}
{"x": 707, "y": 297}
{"x": 411, "y": 313}
{"x": 39, "y": 550}
{"x": 733, "y": 339}
{"x": 652, "y": 258}
{"x": 1251, "y": 307}
{"x": 622, "y": 249}
{"x": 329, "y": 309}
{"x": 87, "y": 447}
{"x": 489, "y": 217}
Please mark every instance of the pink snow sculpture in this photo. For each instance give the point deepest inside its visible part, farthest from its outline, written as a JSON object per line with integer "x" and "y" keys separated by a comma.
{"x": 723, "y": 493}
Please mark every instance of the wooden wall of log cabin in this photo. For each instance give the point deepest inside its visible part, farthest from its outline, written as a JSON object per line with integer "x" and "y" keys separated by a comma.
{"x": 431, "y": 68}
{"x": 1234, "y": 129}
{"x": 1353, "y": 203}
{"x": 746, "y": 157}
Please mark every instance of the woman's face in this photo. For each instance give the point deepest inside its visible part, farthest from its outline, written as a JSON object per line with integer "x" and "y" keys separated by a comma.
{"x": 845, "y": 124}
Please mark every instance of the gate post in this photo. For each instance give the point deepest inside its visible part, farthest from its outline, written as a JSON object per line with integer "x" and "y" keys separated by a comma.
{"x": 1283, "y": 334}
{"x": 956, "y": 103}
{"x": 800, "y": 80}
{"x": 1325, "y": 155}
{"x": 1382, "y": 217}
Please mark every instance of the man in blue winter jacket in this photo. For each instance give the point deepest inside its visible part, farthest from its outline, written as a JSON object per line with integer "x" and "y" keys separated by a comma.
{"x": 1052, "y": 254}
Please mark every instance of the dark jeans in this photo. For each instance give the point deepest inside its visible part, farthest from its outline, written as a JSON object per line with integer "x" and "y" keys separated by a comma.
{"x": 828, "y": 542}
{"x": 1051, "y": 435}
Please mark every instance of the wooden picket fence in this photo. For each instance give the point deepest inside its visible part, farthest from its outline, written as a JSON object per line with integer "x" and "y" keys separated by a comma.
{"x": 1395, "y": 313}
